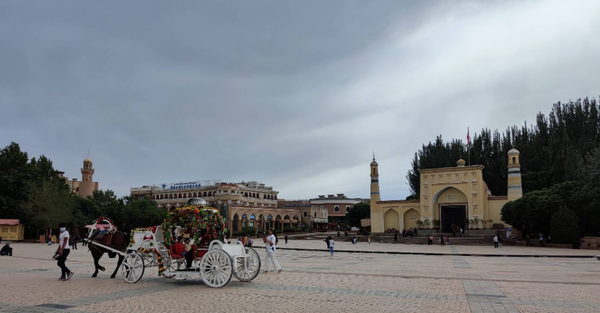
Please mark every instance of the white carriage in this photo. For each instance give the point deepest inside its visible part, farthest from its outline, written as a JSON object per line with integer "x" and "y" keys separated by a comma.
{"x": 214, "y": 262}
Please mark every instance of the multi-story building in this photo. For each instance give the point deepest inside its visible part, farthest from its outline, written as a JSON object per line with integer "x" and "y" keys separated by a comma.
{"x": 217, "y": 194}
{"x": 87, "y": 185}
{"x": 313, "y": 216}
{"x": 337, "y": 205}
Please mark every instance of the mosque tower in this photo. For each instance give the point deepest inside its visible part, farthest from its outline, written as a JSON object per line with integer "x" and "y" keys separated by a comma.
{"x": 87, "y": 186}
{"x": 374, "y": 182}
{"x": 515, "y": 189}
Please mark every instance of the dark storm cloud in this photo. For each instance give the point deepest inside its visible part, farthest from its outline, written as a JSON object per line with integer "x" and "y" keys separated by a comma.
{"x": 295, "y": 94}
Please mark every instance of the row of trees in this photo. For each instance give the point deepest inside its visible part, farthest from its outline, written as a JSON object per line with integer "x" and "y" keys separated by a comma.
{"x": 560, "y": 166}
{"x": 553, "y": 150}
{"x": 32, "y": 190}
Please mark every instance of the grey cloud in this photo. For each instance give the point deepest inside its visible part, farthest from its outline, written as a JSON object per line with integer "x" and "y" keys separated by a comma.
{"x": 293, "y": 94}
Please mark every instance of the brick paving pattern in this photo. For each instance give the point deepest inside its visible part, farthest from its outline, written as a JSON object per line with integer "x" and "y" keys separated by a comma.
{"x": 314, "y": 282}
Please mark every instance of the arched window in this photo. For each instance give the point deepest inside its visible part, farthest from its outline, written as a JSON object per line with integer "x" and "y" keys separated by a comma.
{"x": 315, "y": 214}
{"x": 161, "y": 196}
{"x": 264, "y": 196}
{"x": 336, "y": 208}
{"x": 180, "y": 196}
{"x": 305, "y": 214}
{"x": 189, "y": 195}
{"x": 251, "y": 222}
{"x": 245, "y": 194}
{"x": 347, "y": 208}
{"x": 170, "y": 196}
{"x": 204, "y": 195}
{"x": 514, "y": 160}
{"x": 195, "y": 195}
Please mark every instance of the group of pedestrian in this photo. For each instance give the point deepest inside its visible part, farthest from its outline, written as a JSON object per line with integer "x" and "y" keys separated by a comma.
{"x": 456, "y": 230}
{"x": 411, "y": 232}
{"x": 497, "y": 241}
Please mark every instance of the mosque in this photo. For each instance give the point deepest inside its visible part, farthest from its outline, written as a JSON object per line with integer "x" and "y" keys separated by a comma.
{"x": 452, "y": 195}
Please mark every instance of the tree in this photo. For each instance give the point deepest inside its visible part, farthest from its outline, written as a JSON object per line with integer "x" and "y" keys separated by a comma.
{"x": 565, "y": 226}
{"x": 48, "y": 206}
{"x": 358, "y": 212}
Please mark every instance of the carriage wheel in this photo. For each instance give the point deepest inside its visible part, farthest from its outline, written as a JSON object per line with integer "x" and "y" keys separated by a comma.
{"x": 215, "y": 268}
{"x": 247, "y": 268}
{"x": 170, "y": 267}
{"x": 133, "y": 268}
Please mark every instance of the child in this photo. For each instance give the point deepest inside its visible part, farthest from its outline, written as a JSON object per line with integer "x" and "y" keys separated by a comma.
{"x": 331, "y": 243}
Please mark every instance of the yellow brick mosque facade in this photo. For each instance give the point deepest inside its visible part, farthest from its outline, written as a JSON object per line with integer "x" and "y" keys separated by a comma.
{"x": 452, "y": 195}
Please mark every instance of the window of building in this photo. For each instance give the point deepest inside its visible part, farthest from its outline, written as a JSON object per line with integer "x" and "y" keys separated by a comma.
{"x": 336, "y": 209}
{"x": 347, "y": 208}
{"x": 315, "y": 214}
{"x": 305, "y": 214}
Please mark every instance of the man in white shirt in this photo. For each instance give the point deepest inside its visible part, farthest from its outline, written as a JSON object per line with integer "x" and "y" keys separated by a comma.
{"x": 496, "y": 241}
{"x": 63, "y": 252}
{"x": 271, "y": 242}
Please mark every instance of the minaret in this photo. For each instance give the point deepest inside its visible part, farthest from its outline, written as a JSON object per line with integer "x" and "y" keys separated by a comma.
{"x": 87, "y": 172}
{"x": 374, "y": 182}
{"x": 515, "y": 189}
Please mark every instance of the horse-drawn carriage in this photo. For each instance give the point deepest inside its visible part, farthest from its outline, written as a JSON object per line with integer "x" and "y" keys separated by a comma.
{"x": 213, "y": 260}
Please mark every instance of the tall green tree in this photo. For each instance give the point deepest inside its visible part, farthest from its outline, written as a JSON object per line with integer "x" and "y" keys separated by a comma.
{"x": 358, "y": 212}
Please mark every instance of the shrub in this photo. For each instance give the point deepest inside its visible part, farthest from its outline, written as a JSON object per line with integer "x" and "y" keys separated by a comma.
{"x": 248, "y": 230}
{"x": 564, "y": 226}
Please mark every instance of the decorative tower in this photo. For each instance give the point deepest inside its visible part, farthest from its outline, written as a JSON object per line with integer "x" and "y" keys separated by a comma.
{"x": 374, "y": 182}
{"x": 87, "y": 172}
{"x": 87, "y": 186}
{"x": 515, "y": 190}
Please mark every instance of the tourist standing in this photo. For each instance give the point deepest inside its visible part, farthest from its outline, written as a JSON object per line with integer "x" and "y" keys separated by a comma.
{"x": 327, "y": 241}
{"x": 500, "y": 242}
{"x": 271, "y": 242}
{"x": 429, "y": 240}
{"x": 286, "y": 238}
{"x": 63, "y": 252}
{"x": 396, "y": 236}
{"x": 369, "y": 238}
{"x": 331, "y": 243}
{"x": 460, "y": 233}
{"x": 442, "y": 239}
{"x": 496, "y": 241}
{"x": 541, "y": 241}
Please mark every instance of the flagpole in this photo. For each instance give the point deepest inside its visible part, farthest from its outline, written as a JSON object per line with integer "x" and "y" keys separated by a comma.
{"x": 468, "y": 147}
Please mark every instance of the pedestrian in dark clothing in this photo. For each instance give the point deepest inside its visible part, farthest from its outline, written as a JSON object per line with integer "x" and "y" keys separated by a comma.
{"x": 500, "y": 241}
{"x": 286, "y": 238}
{"x": 415, "y": 233}
{"x": 338, "y": 233}
{"x": 396, "y": 236}
{"x": 6, "y": 250}
{"x": 541, "y": 241}
{"x": 442, "y": 239}
{"x": 327, "y": 242}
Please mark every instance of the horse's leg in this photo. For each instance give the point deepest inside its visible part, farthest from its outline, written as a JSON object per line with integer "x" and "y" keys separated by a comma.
{"x": 96, "y": 255}
{"x": 118, "y": 266}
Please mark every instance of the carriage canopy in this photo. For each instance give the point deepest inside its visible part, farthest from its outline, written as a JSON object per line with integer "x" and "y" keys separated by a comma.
{"x": 198, "y": 222}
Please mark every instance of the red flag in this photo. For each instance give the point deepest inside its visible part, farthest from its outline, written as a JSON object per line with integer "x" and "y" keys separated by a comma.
{"x": 468, "y": 137}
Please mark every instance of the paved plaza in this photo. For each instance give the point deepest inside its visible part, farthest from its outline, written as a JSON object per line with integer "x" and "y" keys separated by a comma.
{"x": 314, "y": 282}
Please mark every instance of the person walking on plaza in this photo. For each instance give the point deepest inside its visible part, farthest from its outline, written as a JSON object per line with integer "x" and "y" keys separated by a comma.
{"x": 429, "y": 239}
{"x": 63, "y": 252}
{"x": 499, "y": 241}
{"x": 369, "y": 238}
{"x": 286, "y": 238}
{"x": 496, "y": 241}
{"x": 331, "y": 243}
{"x": 327, "y": 241}
{"x": 541, "y": 241}
{"x": 442, "y": 240}
{"x": 271, "y": 243}
{"x": 396, "y": 236}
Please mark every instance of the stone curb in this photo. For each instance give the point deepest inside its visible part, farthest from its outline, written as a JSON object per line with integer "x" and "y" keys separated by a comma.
{"x": 448, "y": 254}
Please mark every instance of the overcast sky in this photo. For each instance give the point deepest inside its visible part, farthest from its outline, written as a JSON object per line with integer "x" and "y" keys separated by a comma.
{"x": 294, "y": 94}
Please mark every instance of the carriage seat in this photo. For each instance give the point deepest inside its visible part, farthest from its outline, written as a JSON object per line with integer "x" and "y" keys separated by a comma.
{"x": 177, "y": 251}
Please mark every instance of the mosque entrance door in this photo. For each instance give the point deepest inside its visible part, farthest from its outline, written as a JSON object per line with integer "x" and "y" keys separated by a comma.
{"x": 453, "y": 214}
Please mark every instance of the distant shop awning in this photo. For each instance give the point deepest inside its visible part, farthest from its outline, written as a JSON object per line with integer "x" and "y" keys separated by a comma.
{"x": 9, "y": 222}
{"x": 320, "y": 220}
